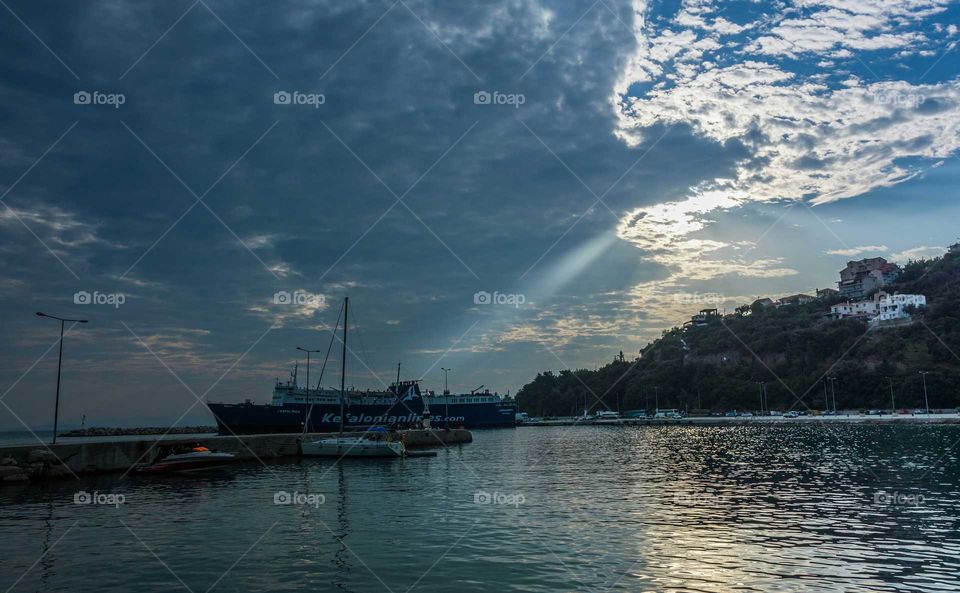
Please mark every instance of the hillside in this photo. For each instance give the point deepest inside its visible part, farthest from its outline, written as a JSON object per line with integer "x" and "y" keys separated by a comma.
{"x": 791, "y": 349}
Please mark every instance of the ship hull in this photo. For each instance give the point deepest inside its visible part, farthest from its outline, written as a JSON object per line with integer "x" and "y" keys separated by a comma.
{"x": 480, "y": 415}
{"x": 249, "y": 418}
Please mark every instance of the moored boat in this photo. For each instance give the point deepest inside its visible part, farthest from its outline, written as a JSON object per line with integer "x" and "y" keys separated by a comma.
{"x": 376, "y": 442}
{"x": 186, "y": 458}
{"x": 373, "y": 443}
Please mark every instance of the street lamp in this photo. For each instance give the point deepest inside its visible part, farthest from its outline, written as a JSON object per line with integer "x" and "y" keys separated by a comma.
{"x": 446, "y": 397}
{"x": 833, "y": 391}
{"x": 308, "y": 366}
{"x": 926, "y": 401}
{"x": 56, "y": 406}
{"x": 446, "y": 385}
{"x": 893, "y": 407}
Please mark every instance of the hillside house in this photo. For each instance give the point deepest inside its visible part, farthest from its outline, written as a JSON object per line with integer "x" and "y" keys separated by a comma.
{"x": 893, "y": 307}
{"x": 861, "y": 277}
{"x": 861, "y": 309}
{"x": 795, "y": 299}
{"x": 764, "y": 302}
{"x": 704, "y": 316}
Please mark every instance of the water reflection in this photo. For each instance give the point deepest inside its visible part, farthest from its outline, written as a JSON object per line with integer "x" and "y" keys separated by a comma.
{"x": 340, "y": 558}
{"x": 788, "y": 508}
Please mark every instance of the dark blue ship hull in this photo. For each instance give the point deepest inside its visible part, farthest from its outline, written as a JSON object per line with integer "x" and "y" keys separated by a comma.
{"x": 250, "y": 418}
{"x": 482, "y": 415}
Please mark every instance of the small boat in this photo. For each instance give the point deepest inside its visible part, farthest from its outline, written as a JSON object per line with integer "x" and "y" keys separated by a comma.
{"x": 375, "y": 442}
{"x": 186, "y": 459}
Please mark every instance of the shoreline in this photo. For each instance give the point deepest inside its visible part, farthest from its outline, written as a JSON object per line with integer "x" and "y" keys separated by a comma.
{"x": 741, "y": 421}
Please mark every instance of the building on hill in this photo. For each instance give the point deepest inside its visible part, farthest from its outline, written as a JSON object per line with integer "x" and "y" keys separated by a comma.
{"x": 861, "y": 309}
{"x": 867, "y": 309}
{"x": 764, "y": 302}
{"x": 827, "y": 293}
{"x": 704, "y": 317}
{"x": 795, "y": 299}
{"x": 861, "y": 277}
{"x": 894, "y": 307}
{"x": 882, "y": 307}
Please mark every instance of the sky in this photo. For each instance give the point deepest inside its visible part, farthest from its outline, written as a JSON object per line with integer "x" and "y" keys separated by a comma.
{"x": 501, "y": 188}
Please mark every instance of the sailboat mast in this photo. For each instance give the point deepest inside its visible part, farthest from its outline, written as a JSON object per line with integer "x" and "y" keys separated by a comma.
{"x": 343, "y": 363}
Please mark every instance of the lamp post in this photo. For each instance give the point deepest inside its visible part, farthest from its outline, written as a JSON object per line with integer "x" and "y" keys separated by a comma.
{"x": 446, "y": 397}
{"x": 833, "y": 391}
{"x": 56, "y": 405}
{"x": 308, "y": 366}
{"x": 926, "y": 401}
{"x": 446, "y": 385}
{"x": 893, "y": 406}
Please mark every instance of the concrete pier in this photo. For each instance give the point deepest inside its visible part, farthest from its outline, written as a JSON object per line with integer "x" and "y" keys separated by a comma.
{"x": 65, "y": 459}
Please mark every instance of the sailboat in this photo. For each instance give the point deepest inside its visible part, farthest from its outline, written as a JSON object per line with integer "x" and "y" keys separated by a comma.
{"x": 374, "y": 442}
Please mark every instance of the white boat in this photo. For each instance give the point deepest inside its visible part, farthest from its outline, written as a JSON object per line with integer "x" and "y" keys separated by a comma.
{"x": 376, "y": 442}
{"x": 353, "y": 446}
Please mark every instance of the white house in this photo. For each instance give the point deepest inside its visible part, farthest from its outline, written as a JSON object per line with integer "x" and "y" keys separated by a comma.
{"x": 892, "y": 306}
{"x": 856, "y": 309}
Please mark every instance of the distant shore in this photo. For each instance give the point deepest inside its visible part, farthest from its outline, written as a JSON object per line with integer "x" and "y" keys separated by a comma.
{"x": 852, "y": 418}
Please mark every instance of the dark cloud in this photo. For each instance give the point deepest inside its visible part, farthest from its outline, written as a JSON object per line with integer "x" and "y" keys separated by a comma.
{"x": 495, "y": 198}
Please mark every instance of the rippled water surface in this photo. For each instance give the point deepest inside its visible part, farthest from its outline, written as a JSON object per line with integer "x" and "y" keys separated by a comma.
{"x": 765, "y": 508}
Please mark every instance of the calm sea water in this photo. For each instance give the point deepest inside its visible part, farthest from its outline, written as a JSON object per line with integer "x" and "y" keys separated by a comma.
{"x": 765, "y": 508}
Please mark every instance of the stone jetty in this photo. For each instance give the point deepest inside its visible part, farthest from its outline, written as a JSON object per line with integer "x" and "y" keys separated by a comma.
{"x": 21, "y": 463}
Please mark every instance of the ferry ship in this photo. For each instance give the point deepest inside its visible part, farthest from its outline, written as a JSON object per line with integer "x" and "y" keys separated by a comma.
{"x": 295, "y": 409}
{"x": 471, "y": 410}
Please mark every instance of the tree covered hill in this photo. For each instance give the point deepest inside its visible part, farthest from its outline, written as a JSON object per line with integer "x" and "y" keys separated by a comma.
{"x": 792, "y": 349}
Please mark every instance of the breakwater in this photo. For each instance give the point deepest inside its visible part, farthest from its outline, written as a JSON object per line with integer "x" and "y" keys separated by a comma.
{"x": 107, "y": 431}
{"x": 20, "y": 463}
